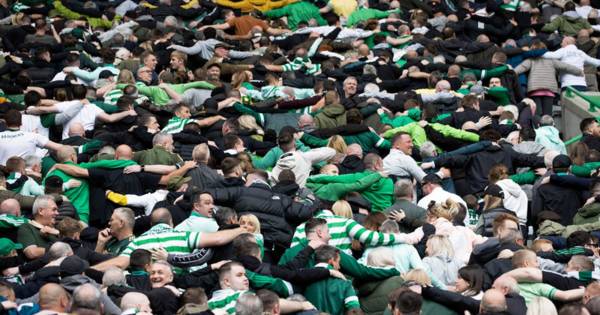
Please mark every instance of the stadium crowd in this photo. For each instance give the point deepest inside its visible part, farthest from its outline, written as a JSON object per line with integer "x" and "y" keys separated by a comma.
{"x": 298, "y": 157}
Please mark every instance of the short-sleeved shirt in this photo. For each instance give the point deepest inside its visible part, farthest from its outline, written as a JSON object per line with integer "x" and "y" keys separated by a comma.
{"x": 244, "y": 24}
{"x": 19, "y": 143}
{"x": 86, "y": 116}
{"x": 530, "y": 290}
{"x": 29, "y": 235}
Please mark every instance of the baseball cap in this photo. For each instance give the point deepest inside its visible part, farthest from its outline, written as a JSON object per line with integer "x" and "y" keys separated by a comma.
{"x": 105, "y": 74}
{"x": 7, "y": 246}
{"x": 175, "y": 182}
{"x": 494, "y": 190}
{"x": 224, "y": 45}
{"x": 73, "y": 265}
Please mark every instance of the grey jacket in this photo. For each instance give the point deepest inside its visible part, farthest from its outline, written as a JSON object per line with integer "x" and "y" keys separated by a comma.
{"x": 542, "y": 73}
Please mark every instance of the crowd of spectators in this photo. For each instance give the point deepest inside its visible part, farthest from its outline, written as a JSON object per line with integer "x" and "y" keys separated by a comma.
{"x": 298, "y": 157}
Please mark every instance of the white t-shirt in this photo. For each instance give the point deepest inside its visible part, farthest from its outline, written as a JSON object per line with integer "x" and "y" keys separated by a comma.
{"x": 86, "y": 116}
{"x": 33, "y": 123}
{"x": 19, "y": 143}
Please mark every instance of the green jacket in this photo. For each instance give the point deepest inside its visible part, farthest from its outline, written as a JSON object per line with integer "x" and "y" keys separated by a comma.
{"x": 430, "y": 307}
{"x": 567, "y": 25}
{"x": 414, "y": 115}
{"x": 528, "y": 177}
{"x": 94, "y": 22}
{"x": 367, "y": 141}
{"x": 331, "y": 116}
{"x": 587, "y": 214}
{"x": 584, "y": 170}
{"x": 348, "y": 265}
{"x": 499, "y": 94}
{"x": 159, "y": 97}
{"x": 156, "y": 155}
{"x": 364, "y": 14}
{"x": 373, "y": 296}
{"x": 296, "y": 13}
{"x": 380, "y": 194}
{"x": 336, "y": 191}
{"x": 419, "y": 136}
{"x": 80, "y": 196}
{"x": 332, "y": 295}
{"x": 258, "y": 281}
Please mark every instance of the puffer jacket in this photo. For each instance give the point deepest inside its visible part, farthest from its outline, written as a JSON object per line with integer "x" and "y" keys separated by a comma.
{"x": 332, "y": 116}
{"x": 373, "y": 296}
{"x": 549, "y": 137}
{"x": 515, "y": 199}
{"x": 484, "y": 226}
{"x": 278, "y": 214}
{"x": 587, "y": 214}
{"x": 542, "y": 73}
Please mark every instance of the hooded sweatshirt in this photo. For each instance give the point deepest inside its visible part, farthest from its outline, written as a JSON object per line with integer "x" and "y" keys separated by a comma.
{"x": 515, "y": 199}
{"x": 549, "y": 137}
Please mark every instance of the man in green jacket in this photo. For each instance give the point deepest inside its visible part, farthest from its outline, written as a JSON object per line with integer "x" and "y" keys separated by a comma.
{"x": 332, "y": 295}
{"x": 380, "y": 194}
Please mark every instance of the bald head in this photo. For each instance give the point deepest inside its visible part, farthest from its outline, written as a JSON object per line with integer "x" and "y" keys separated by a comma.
{"x": 76, "y": 130}
{"x": 10, "y": 206}
{"x": 123, "y": 152}
{"x": 506, "y": 285}
{"x": 442, "y": 86}
{"x": 86, "y": 296}
{"x": 493, "y": 301}
{"x": 54, "y": 298}
{"x": 66, "y": 154}
{"x": 355, "y": 149}
{"x": 568, "y": 40}
{"x": 161, "y": 216}
{"x": 135, "y": 300}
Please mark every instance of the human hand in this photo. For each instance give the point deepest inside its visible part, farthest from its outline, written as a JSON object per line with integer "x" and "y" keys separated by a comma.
{"x": 9, "y": 272}
{"x": 307, "y": 306}
{"x": 104, "y": 236}
{"x": 189, "y": 164}
{"x": 445, "y": 172}
{"x": 219, "y": 264}
{"x": 336, "y": 274}
{"x": 173, "y": 289}
{"x": 423, "y": 123}
{"x": 397, "y": 215}
{"x": 49, "y": 230}
{"x": 383, "y": 174}
{"x": 506, "y": 253}
{"x": 132, "y": 169}
{"x": 132, "y": 112}
{"x": 426, "y": 165}
{"x": 545, "y": 180}
{"x": 159, "y": 253}
{"x": 9, "y": 305}
{"x": 590, "y": 201}
{"x": 541, "y": 171}
{"x": 483, "y": 122}
{"x": 73, "y": 183}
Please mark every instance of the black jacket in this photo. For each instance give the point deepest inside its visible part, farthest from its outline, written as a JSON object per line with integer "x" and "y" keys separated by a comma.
{"x": 477, "y": 166}
{"x": 591, "y": 141}
{"x": 460, "y": 303}
{"x": 564, "y": 201}
{"x": 85, "y": 253}
{"x": 278, "y": 214}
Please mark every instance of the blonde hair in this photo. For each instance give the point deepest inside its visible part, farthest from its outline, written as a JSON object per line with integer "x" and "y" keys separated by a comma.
{"x": 342, "y": 208}
{"x": 540, "y": 244}
{"x": 248, "y": 122}
{"x": 522, "y": 256}
{"x": 419, "y": 276}
{"x": 492, "y": 202}
{"x": 381, "y": 257}
{"x": 338, "y": 144}
{"x": 240, "y": 77}
{"x": 541, "y": 306}
{"x": 439, "y": 245}
{"x": 447, "y": 210}
{"x": 126, "y": 77}
{"x": 252, "y": 219}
